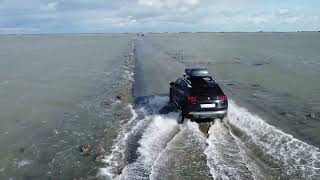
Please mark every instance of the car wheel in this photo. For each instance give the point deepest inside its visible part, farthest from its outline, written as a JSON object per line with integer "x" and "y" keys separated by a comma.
{"x": 181, "y": 118}
{"x": 223, "y": 119}
{"x": 182, "y": 115}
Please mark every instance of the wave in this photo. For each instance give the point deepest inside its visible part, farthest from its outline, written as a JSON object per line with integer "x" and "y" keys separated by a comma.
{"x": 157, "y": 135}
{"x": 131, "y": 135}
{"x": 224, "y": 156}
{"x": 118, "y": 149}
{"x": 183, "y": 156}
{"x": 286, "y": 155}
{"x": 243, "y": 147}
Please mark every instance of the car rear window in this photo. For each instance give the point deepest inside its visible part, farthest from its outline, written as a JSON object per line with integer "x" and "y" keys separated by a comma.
{"x": 212, "y": 91}
{"x": 205, "y": 86}
{"x": 199, "y": 82}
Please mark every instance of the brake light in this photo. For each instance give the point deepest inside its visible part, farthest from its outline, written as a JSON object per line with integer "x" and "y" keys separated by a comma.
{"x": 223, "y": 98}
{"x": 191, "y": 98}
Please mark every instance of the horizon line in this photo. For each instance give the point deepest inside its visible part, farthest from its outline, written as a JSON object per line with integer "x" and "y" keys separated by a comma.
{"x": 181, "y": 32}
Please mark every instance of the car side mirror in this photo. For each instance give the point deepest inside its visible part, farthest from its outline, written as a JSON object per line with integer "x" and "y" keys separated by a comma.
{"x": 172, "y": 84}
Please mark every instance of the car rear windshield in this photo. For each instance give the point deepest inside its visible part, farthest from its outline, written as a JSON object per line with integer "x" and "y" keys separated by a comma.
{"x": 205, "y": 86}
{"x": 212, "y": 91}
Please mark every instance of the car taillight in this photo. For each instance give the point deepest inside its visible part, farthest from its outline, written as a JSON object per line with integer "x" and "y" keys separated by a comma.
{"x": 224, "y": 97}
{"x": 191, "y": 98}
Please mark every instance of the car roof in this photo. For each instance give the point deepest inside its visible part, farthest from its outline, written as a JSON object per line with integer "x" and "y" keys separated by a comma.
{"x": 197, "y": 72}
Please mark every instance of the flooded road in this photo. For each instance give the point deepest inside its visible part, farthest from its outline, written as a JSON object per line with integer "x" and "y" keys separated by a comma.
{"x": 110, "y": 91}
{"x": 244, "y": 146}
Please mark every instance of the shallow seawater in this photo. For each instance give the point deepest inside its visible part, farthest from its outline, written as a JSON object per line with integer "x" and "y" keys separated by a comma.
{"x": 110, "y": 91}
{"x": 57, "y": 93}
{"x": 272, "y": 74}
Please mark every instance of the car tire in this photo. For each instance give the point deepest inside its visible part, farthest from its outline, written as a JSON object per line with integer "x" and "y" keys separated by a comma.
{"x": 181, "y": 118}
{"x": 182, "y": 115}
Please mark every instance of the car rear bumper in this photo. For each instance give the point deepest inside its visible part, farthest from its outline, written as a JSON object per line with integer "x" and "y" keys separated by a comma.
{"x": 208, "y": 114}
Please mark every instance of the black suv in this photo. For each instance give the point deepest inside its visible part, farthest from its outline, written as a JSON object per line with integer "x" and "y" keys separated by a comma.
{"x": 198, "y": 96}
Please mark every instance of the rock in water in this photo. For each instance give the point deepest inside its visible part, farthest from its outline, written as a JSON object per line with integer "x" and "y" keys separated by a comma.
{"x": 312, "y": 116}
{"x": 118, "y": 97}
{"x": 86, "y": 150}
{"x": 21, "y": 149}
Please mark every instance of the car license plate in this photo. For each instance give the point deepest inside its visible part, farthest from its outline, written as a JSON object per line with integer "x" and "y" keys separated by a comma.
{"x": 207, "y": 105}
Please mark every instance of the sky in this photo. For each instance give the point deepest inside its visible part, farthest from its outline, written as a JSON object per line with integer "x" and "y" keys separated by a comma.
{"x": 103, "y": 16}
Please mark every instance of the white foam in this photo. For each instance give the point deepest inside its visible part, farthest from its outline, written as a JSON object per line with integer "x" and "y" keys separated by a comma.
{"x": 161, "y": 159}
{"x": 251, "y": 163}
{"x": 155, "y": 138}
{"x": 135, "y": 125}
{"x": 118, "y": 149}
{"x": 165, "y": 157}
{"x": 155, "y": 104}
{"x": 295, "y": 157}
{"x": 129, "y": 65}
{"x": 158, "y": 102}
{"x": 223, "y": 155}
{"x": 129, "y": 75}
{"x": 194, "y": 128}
{"x": 23, "y": 163}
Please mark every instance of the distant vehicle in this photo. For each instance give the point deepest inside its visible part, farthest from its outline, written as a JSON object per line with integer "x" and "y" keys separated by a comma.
{"x": 140, "y": 34}
{"x": 198, "y": 96}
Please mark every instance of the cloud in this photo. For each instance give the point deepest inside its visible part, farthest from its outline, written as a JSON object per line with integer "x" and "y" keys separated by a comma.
{"x": 283, "y": 12}
{"x": 49, "y": 16}
{"x": 172, "y": 4}
{"x": 51, "y": 6}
